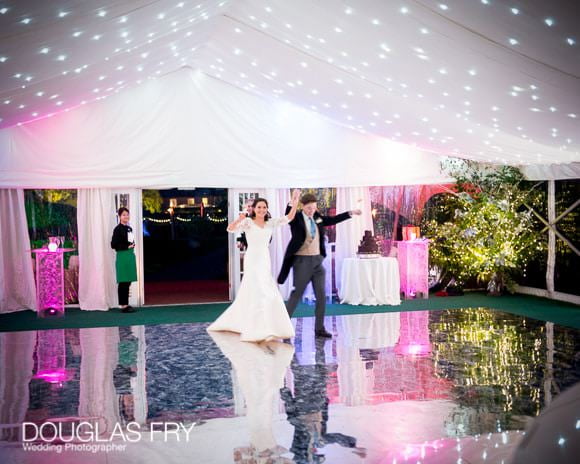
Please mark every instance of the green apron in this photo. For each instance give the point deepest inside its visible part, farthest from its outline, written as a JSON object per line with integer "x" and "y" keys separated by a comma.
{"x": 126, "y": 266}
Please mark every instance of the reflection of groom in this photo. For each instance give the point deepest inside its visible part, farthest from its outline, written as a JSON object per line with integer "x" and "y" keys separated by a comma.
{"x": 305, "y": 254}
{"x": 307, "y": 411}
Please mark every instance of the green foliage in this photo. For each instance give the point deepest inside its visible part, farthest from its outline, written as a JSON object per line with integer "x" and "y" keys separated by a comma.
{"x": 152, "y": 201}
{"x": 326, "y": 198}
{"x": 50, "y": 213}
{"x": 59, "y": 196}
{"x": 488, "y": 232}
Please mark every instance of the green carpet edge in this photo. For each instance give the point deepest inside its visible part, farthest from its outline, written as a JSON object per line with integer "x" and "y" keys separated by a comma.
{"x": 561, "y": 313}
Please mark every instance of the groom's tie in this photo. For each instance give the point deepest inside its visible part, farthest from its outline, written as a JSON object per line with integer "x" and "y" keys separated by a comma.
{"x": 312, "y": 228}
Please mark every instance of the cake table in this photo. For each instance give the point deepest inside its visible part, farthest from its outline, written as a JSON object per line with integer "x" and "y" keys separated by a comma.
{"x": 371, "y": 281}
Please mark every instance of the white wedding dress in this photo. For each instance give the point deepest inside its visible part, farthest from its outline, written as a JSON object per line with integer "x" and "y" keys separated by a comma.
{"x": 258, "y": 313}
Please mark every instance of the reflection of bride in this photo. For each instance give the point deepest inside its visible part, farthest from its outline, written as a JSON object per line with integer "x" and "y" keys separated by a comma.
{"x": 260, "y": 370}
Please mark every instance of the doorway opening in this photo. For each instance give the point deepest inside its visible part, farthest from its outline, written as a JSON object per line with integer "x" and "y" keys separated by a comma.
{"x": 185, "y": 246}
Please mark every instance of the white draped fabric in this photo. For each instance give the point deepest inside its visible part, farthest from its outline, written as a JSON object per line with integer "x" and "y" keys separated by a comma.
{"x": 277, "y": 201}
{"x": 372, "y": 281}
{"x": 349, "y": 233}
{"x": 17, "y": 287}
{"x": 446, "y": 90}
{"x": 96, "y": 220}
{"x": 188, "y": 129}
{"x": 552, "y": 171}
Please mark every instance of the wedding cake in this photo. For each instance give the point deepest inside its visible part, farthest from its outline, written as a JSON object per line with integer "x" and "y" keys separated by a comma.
{"x": 368, "y": 248}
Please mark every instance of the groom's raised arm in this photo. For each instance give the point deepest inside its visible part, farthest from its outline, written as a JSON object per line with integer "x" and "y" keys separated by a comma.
{"x": 332, "y": 220}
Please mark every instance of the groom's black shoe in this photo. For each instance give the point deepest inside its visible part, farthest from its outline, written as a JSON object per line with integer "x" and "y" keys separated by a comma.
{"x": 323, "y": 333}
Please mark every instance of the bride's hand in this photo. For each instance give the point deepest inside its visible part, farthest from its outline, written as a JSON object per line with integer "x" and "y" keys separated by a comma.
{"x": 295, "y": 196}
{"x": 241, "y": 217}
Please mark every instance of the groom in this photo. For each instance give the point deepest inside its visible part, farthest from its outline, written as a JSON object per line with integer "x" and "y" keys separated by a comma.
{"x": 305, "y": 254}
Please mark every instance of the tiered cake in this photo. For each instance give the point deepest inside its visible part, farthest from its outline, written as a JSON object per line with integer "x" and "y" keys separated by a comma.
{"x": 368, "y": 248}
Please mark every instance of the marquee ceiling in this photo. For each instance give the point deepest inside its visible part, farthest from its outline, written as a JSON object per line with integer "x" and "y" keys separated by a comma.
{"x": 484, "y": 79}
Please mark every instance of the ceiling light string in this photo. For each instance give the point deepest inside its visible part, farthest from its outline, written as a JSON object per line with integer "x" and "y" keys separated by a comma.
{"x": 47, "y": 80}
{"x": 335, "y": 67}
{"x": 324, "y": 61}
{"x": 53, "y": 26}
{"x": 494, "y": 42}
{"x": 429, "y": 149}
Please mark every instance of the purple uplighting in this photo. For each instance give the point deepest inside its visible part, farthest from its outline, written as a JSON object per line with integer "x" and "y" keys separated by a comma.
{"x": 55, "y": 376}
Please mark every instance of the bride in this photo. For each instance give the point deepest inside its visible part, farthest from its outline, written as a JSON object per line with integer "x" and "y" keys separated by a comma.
{"x": 258, "y": 313}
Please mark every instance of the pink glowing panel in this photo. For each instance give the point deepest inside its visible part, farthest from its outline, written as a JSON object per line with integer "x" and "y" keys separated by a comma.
{"x": 50, "y": 281}
{"x": 414, "y": 268}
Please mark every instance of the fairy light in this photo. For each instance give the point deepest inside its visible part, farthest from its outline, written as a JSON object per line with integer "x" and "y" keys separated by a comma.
{"x": 217, "y": 219}
{"x": 158, "y": 221}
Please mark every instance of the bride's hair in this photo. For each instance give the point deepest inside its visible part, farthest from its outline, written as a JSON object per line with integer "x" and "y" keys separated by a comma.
{"x": 256, "y": 201}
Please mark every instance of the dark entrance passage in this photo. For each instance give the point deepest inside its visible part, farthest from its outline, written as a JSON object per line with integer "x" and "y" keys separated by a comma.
{"x": 185, "y": 246}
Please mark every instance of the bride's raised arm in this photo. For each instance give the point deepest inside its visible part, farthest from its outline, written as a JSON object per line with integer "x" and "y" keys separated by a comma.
{"x": 234, "y": 226}
{"x": 294, "y": 203}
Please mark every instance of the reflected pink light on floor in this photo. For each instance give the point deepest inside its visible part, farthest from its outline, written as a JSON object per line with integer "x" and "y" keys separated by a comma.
{"x": 412, "y": 452}
{"x": 51, "y": 356}
{"x": 415, "y": 349}
{"x": 414, "y": 334}
{"x": 55, "y": 376}
{"x": 497, "y": 447}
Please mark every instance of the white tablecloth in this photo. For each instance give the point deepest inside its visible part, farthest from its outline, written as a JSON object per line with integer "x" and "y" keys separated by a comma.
{"x": 371, "y": 281}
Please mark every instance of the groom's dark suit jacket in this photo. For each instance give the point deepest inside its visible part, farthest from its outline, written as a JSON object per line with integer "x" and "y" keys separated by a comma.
{"x": 298, "y": 230}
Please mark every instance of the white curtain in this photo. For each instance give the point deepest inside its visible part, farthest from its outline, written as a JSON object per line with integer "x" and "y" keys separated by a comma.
{"x": 17, "y": 287}
{"x": 277, "y": 200}
{"x": 349, "y": 233}
{"x": 96, "y": 220}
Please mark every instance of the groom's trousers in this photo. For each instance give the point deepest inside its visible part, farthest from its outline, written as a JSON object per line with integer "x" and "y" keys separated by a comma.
{"x": 309, "y": 269}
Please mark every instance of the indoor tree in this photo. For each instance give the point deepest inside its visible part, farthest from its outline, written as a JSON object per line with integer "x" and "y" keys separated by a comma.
{"x": 484, "y": 230}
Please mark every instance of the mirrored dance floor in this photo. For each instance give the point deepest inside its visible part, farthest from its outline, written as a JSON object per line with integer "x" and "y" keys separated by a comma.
{"x": 387, "y": 388}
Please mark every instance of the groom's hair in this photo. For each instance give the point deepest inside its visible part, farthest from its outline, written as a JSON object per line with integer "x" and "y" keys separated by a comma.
{"x": 307, "y": 198}
{"x": 256, "y": 201}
